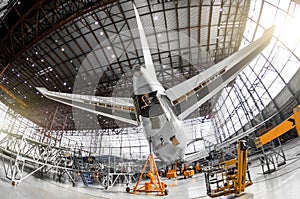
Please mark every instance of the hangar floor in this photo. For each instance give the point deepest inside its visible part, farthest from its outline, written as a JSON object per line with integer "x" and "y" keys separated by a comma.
{"x": 283, "y": 183}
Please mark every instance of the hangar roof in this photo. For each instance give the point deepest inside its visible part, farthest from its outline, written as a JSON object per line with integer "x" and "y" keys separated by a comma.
{"x": 91, "y": 47}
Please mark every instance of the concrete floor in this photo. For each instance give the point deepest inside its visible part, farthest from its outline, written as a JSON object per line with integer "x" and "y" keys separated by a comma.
{"x": 283, "y": 183}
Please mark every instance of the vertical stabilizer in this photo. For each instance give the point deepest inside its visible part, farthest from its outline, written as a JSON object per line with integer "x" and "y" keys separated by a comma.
{"x": 149, "y": 66}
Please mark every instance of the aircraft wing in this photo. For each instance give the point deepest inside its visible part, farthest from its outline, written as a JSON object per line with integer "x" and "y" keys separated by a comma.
{"x": 192, "y": 93}
{"x": 121, "y": 109}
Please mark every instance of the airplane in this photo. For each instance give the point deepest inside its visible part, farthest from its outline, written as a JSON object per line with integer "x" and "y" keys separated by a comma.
{"x": 161, "y": 112}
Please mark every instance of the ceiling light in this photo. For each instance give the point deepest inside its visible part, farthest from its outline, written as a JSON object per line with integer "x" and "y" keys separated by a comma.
{"x": 65, "y": 83}
{"x": 71, "y": 61}
{"x": 108, "y": 47}
{"x": 42, "y": 60}
{"x": 155, "y": 18}
{"x": 96, "y": 22}
{"x": 36, "y": 52}
{"x": 47, "y": 79}
{"x": 101, "y": 33}
{"x": 27, "y": 58}
{"x": 62, "y": 49}
{"x": 32, "y": 65}
{"x": 221, "y": 9}
{"x": 113, "y": 56}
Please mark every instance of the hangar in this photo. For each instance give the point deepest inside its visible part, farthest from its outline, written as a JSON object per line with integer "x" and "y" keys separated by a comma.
{"x": 60, "y": 144}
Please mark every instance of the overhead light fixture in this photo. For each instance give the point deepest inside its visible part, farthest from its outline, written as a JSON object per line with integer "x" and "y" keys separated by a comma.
{"x": 101, "y": 33}
{"x": 96, "y": 22}
{"x": 155, "y": 17}
{"x": 62, "y": 49}
{"x": 42, "y": 60}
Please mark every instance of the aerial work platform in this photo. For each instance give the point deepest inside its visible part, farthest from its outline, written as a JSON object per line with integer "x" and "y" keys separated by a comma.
{"x": 287, "y": 125}
{"x": 230, "y": 177}
{"x": 273, "y": 157}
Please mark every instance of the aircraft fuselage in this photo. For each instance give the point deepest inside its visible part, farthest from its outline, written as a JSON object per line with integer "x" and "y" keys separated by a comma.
{"x": 163, "y": 130}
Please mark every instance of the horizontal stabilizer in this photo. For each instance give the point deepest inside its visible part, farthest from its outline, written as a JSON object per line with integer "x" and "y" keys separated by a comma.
{"x": 192, "y": 93}
{"x": 113, "y": 107}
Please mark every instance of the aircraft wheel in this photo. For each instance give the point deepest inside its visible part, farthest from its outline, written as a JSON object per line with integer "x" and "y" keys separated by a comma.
{"x": 166, "y": 192}
{"x": 127, "y": 189}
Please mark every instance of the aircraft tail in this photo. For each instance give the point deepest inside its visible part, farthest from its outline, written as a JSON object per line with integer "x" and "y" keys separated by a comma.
{"x": 149, "y": 66}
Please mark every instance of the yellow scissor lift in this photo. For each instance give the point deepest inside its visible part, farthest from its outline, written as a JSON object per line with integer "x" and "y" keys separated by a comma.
{"x": 230, "y": 177}
{"x": 272, "y": 156}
